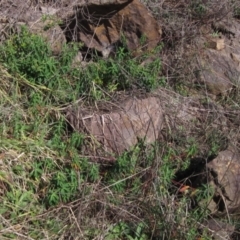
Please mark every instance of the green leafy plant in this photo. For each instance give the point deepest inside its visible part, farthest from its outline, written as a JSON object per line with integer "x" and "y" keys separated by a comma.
{"x": 199, "y": 8}
{"x": 30, "y": 56}
{"x": 215, "y": 34}
{"x": 124, "y": 230}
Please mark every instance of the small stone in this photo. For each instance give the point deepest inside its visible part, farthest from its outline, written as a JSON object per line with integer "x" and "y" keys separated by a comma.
{"x": 217, "y": 44}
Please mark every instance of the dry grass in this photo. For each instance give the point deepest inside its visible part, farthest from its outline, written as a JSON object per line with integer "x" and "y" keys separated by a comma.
{"x": 134, "y": 197}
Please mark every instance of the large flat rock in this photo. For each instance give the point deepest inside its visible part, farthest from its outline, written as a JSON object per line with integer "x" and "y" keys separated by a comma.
{"x": 119, "y": 130}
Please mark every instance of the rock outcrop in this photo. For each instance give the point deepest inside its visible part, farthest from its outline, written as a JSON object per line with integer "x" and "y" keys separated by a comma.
{"x": 102, "y": 27}
{"x": 219, "y": 62}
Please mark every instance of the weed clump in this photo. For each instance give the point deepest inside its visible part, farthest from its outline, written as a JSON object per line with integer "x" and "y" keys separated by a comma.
{"x": 30, "y": 56}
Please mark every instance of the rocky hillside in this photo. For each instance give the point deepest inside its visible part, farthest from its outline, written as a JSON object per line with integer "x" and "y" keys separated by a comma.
{"x": 119, "y": 119}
